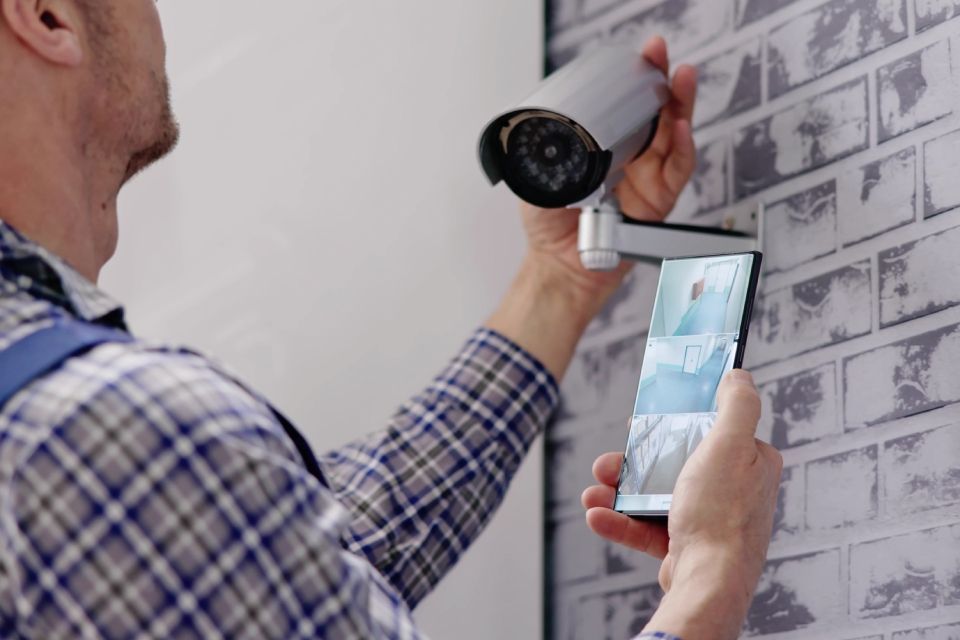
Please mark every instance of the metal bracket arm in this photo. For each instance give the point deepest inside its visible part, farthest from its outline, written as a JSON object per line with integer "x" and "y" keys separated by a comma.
{"x": 606, "y": 237}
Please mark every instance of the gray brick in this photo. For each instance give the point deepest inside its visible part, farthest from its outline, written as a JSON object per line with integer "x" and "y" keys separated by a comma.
{"x": 877, "y": 197}
{"x": 916, "y": 278}
{"x": 801, "y": 408}
{"x": 616, "y": 615}
{"x": 801, "y": 228}
{"x": 942, "y": 166}
{"x": 829, "y": 37}
{"x": 915, "y": 572}
{"x": 922, "y": 471}
{"x": 685, "y": 24}
{"x": 788, "y": 518}
{"x": 556, "y": 58}
{"x": 632, "y": 304}
{"x": 729, "y": 84}
{"x": 933, "y": 12}
{"x": 903, "y": 379}
{"x": 946, "y": 632}
{"x": 915, "y": 90}
{"x": 708, "y": 186}
{"x": 563, "y": 13}
{"x": 752, "y": 10}
{"x": 802, "y": 137}
{"x": 842, "y": 489}
{"x": 587, "y": 562}
{"x": 602, "y": 381}
{"x": 797, "y": 593}
{"x": 822, "y": 311}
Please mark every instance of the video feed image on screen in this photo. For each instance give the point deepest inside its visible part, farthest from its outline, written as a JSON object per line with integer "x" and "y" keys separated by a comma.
{"x": 693, "y": 343}
{"x": 701, "y": 296}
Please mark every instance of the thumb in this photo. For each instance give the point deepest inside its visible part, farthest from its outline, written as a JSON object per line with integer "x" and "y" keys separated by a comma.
{"x": 739, "y": 405}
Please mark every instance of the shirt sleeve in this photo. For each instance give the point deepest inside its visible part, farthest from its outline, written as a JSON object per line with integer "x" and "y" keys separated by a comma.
{"x": 170, "y": 503}
{"x": 422, "y": 490}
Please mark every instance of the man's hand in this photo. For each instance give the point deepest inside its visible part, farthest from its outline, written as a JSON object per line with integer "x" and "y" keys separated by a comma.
{"x": 649, "y": 190}
{"x": 554, "y": 297}
{"x": 720, "y": 521}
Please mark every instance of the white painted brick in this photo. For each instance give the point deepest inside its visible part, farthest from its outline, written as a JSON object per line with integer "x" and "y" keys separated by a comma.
{"x": 917, "y": 278}
{"x": 915, "y": 572}
{"x": 830, "y": 36}
{"x": 842, "y": 489}
{"x": 708, "y": 190}
{"x": 602, "y": 381}
{"x": 946, "y": 632}
{"x": 941, "y": 168}
{"x": 932, "y": 12}
{"x": 915, "y": 90}
{"x": 878, "y": 197}
{"x": 801, "y": 408}
{"x": 800, "y": 228}
{"x": 825, "y": 310}
{"x": 729, "y": 84}
{"x": 802, "y": 137}
{"x": 752, "y": 10}
{"x": 797, "y": 593}
{"x": 903, "y": 379}
{"x": 685, "y": 24}
{"x": 922, "y": 471}
{"x": 789, "y": 517}
{"x": 616, "y": 615}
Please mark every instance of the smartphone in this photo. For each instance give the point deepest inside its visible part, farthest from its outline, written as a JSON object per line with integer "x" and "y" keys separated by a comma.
{"x": 698, "y": 333}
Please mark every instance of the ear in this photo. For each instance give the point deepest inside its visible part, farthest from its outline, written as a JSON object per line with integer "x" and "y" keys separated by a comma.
{"x": 50, "y": 28}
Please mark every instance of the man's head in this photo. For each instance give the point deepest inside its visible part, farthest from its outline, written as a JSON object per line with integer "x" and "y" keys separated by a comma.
{"x": 85, "y": 80}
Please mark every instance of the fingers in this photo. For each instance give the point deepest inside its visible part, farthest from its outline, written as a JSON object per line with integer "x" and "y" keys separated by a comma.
{"x": 655, "y": 52}
{"x": 648, "y": 537}
{"x": 600, "y": 495}
{"x": 739, "y": 404}
{"x": 684, "y": 92}
{"x": 606, "y": 468}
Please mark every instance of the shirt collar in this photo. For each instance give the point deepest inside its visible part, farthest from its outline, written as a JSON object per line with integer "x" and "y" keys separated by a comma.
{"x": 30, "y": 268}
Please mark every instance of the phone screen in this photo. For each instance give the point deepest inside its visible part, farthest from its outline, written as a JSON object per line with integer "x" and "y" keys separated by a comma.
{"x": 698, "y": 334}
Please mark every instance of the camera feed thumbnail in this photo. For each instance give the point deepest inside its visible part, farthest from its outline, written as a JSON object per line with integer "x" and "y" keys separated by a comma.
{"x": 658, "y": 448}
{"x": 681, "y": 375}
{"x": 701, "y": 296}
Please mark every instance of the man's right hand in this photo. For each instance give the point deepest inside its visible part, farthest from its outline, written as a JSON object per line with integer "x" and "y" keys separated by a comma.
{"x": 720, "y": 522}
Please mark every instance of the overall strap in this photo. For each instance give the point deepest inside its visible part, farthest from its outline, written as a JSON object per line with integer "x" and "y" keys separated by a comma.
{"x": 44, "y": 351}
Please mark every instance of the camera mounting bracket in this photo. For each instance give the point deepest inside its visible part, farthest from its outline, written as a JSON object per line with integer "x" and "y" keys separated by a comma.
{"x": 607, "y": 236}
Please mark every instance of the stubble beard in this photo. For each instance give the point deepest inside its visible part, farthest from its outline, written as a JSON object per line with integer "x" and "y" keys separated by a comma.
{"x": 165, "y": 131}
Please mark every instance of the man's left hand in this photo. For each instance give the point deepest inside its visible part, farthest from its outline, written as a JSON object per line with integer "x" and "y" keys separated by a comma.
{"x": 649, "y": 190}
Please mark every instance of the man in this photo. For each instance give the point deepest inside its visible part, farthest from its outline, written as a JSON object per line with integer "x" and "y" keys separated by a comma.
{"x": 145, "y": 493}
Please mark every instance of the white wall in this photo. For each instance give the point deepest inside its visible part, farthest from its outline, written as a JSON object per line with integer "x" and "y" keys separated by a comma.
{"x": 325, "y": 230}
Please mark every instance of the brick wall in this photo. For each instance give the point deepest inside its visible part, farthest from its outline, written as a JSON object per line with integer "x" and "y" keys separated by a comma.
{"x": 840, "y": 117}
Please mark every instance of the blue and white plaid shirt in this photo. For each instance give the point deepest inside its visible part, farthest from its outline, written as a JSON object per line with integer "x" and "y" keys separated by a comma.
{"x": 145, "y": 493}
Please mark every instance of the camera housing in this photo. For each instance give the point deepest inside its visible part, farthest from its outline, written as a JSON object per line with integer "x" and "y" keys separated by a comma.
{"x": 567, "y": 144}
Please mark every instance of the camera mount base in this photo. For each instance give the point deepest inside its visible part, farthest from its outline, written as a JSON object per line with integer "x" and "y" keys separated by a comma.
{"x": 607, "y": 236}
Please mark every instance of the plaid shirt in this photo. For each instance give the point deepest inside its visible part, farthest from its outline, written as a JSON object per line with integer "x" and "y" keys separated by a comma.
{"x": 146, "y": 493}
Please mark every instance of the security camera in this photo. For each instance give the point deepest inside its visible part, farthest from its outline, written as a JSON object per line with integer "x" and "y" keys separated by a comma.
{"x": 567, "y": 146}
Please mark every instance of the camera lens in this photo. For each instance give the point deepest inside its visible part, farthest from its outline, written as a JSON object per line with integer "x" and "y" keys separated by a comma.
{"x": 549, "y": 162}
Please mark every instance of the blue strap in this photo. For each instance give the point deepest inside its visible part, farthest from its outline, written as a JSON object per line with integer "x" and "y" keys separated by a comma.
{"x": 46, "y": 350}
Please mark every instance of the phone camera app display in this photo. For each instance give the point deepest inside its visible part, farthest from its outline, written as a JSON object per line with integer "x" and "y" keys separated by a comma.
{"x": 693, "y": 342}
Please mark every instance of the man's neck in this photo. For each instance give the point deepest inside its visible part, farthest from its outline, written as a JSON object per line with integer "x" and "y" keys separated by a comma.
{"x": 58, "y": 196}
